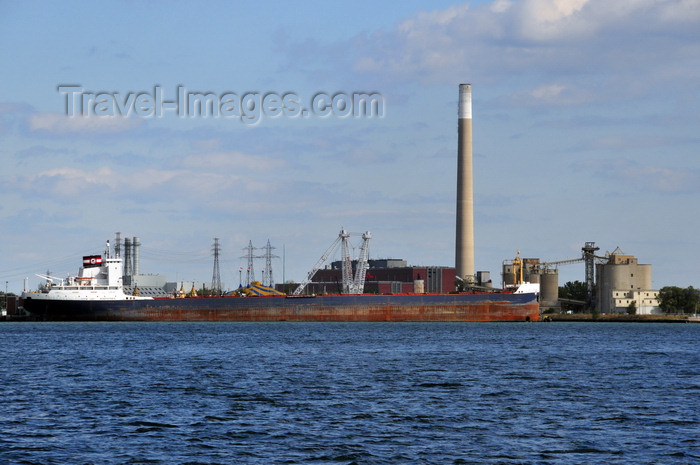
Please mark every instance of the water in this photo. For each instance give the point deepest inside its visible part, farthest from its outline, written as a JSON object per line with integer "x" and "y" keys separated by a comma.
{"x": 327, "y": 393}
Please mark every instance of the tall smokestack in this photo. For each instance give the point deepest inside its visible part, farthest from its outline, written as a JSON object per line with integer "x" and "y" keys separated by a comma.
{"x": 464, "y": 256}
{"x": 136, "y": 244}
{"x": 118, "y": 245}
{"x": 128, "y": 269}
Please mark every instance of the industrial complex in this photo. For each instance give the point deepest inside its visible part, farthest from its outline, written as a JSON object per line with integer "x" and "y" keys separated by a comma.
{"x": 617, "y": 279}
{"x": 615, "y": 282}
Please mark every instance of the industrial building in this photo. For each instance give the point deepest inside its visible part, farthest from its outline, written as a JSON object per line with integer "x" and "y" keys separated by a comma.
{"x": 147, "y": 285}
{"x": 646, "y": 302}
{"x": 623, "y": 280}
{"x": 619, "y": 280}
{"x": 544, "y": 275}
{"x": 387, "y": 276}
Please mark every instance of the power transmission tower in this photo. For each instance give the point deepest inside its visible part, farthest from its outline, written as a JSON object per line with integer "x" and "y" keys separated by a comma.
{"x": 216, "y": 276}
{"x": 250, "y": 273}
{"x": 267, "y": 272}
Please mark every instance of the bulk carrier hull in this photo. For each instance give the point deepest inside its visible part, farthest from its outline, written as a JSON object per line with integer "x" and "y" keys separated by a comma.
{"x": 366, "y": 307}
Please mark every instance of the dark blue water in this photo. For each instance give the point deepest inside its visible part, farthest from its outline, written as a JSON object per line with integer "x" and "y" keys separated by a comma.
{"x": 292, "y": 393}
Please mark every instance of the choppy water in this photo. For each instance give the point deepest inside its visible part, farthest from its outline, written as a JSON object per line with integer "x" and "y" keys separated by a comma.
{"x": 333, "y": 393}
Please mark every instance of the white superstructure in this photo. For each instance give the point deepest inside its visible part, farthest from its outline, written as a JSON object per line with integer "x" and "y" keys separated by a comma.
{"x": 528, "y": 288}
{"x": 100, "y": 278}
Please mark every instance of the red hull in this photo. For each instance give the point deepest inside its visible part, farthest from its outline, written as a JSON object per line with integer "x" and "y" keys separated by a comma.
{"x": 426, "y": 307}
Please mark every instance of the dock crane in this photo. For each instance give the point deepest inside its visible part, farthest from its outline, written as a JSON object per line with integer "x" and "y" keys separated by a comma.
{"x": 351, "y": 285}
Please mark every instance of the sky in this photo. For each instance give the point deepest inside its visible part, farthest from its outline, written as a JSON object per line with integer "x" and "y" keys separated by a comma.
{"x": 586, "y": 127}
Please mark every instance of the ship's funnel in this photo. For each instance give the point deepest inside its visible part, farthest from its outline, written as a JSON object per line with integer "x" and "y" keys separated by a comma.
{"x": 464, "y": 256}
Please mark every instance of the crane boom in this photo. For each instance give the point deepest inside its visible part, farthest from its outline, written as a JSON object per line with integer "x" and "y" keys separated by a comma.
{"x": 351, "y": 285}
{"x": 318, "y": 264}
{"x": 346, "y": 262}
{"x": 358, "y": 284}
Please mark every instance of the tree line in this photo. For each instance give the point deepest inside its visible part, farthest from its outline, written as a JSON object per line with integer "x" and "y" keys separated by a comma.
{"x": 674, "y": 299}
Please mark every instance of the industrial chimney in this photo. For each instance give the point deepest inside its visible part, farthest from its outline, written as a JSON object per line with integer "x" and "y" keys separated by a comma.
{"x": 136, "y": 244}
{"x": 128, "y": 269}
{"x": 464, "y": 256}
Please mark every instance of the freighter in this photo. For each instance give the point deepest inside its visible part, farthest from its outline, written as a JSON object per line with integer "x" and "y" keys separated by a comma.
{"x": 97, "y": 294}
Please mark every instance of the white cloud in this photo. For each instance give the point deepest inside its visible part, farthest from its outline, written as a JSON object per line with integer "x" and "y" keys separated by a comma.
{"x": 58, "y": 123}
{"x": 552, "y": 19}
{"x": 659, "y": 178}
{"x": 68, "y": 182}
{"x": 681, "y": 11}
{"x": 572, "y": 41}
{"x": 438, "y": 17}
{"x": 547, "y": 92}
{"x": 501, "y": 6}
{"x": 552, "y": 95}
{"x": 196, "y": 177}
{"x": 644, "y": 178}
{"x": 234, "y": 161}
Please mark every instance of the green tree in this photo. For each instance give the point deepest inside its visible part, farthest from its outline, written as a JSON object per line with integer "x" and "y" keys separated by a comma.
{"x": 632, "y": 308}
{"x": 692, "y": 300}
{"x": 674, "y": 299}
{"x": 669, "y": 298}
{"x": 574, "y": 290}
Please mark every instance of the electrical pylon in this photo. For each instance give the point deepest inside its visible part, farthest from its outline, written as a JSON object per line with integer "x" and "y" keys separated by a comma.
{"x": 216, "y": 275}
{"x": 267, "y": 272}
{"x": 250, "y": 274}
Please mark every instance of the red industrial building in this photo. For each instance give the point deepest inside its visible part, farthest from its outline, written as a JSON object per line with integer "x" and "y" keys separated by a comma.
{"x": 387, "y": 276}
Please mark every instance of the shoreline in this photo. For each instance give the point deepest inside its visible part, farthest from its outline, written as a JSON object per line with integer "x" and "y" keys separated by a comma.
{"x": 619, "y": 318}
{"x": 544, "y": 318}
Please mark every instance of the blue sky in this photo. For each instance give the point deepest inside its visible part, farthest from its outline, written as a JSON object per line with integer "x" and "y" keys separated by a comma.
{"x": 586, "y": 128}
